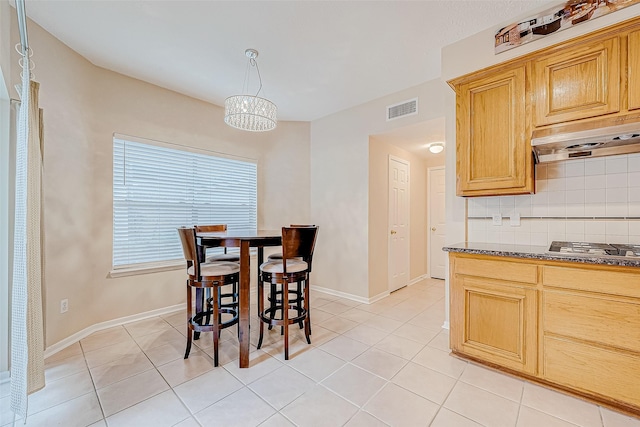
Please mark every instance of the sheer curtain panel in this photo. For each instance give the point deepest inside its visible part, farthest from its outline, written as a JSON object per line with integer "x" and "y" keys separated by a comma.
{"x": 27, "y": 329}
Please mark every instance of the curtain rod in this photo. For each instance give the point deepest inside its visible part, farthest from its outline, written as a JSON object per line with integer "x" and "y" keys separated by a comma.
{"x": 22, "y": 26}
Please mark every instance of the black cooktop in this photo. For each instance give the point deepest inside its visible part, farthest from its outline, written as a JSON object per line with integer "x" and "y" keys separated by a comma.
{"x": 596, "y": 249}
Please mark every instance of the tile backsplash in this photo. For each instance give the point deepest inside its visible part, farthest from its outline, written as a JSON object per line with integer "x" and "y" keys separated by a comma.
{"x": 595, "y": 200}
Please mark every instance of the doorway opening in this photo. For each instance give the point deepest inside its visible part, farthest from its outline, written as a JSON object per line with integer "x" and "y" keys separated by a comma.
{"x": 410, "y": 145}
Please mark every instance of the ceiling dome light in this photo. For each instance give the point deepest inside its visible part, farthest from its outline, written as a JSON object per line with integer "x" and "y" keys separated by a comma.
{"x": 436, "y": 147}
{"x": 250, "y": 112}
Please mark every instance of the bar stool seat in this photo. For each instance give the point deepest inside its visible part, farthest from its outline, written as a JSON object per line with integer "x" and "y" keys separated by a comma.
{"x": 224, "y": 257}
{"x": 215, "y": 269}
{"x": 293, "y": 266}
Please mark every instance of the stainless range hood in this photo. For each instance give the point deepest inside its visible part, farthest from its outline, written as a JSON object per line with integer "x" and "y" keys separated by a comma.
{"x": 577, "y": 141}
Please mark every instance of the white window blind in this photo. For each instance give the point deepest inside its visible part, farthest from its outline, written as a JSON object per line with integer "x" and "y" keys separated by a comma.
{"x": 157, "y": 189}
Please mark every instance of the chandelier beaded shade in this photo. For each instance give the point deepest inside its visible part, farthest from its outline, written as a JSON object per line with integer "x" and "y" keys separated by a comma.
{"x": 251, "y": 112}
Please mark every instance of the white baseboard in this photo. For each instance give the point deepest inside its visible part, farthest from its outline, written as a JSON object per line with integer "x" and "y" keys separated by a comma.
{"x": 60, "y": 345}
{"x": 348, "y": 296}
{"x": 418, "y": 279}
{"x": 378, "y": 297}
{"x": 445, "y": 325}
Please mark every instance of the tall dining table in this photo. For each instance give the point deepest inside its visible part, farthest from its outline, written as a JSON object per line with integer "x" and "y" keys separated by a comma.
{"x": 243, "y": 239}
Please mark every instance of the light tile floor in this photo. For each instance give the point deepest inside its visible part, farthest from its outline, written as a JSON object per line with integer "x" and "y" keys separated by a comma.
{"x": 369, "y": 365}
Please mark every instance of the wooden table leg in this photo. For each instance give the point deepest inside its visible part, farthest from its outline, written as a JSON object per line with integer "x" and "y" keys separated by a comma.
{"x": 200, "y": 296}
{"x": 245, "y": 285}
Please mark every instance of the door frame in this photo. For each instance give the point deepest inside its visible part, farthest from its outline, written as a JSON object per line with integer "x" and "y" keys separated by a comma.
{"x": 408, "y": 244}
{"x": 429, "y": 225}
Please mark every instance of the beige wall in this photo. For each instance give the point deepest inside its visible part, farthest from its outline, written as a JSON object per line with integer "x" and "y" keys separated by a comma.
{"x": 340, "y": 185}
{"x": 84, "y": 105}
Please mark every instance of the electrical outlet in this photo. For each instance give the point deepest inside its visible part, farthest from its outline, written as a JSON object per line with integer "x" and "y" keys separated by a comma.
{"x": 514, "y": 220}
{"x": 64, "y": 305}
{"x": 497, "y": 219}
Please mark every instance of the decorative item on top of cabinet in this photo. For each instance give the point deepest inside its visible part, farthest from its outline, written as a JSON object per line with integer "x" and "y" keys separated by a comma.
{"x": 493, "y": 148}
{"x": 633, "y": 71}
{"x": 577, "y": 82}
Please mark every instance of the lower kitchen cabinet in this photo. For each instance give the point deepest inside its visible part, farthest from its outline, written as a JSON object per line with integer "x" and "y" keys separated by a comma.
{"x": 494, "y": 319}
{"x": 571, "y": 325}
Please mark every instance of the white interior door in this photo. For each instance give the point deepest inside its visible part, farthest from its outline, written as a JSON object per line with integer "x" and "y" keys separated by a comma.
{"x": 437, "y": 256}
{"x": 398, "y": 223}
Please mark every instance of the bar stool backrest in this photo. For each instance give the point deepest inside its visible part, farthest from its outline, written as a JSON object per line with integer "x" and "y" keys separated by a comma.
{"x": 299, "y": 242}
{"x": 188, "y": 240}
{"x": 210, "y": 228}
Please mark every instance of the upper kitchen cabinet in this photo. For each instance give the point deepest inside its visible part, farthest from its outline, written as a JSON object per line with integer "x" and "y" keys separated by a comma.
{"x": 633, "y": 71}
{"x": 578, "y": 81}
{"x": 493, "y": 150}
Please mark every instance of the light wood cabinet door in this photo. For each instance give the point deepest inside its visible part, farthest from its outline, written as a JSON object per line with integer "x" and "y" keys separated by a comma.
{"x": 493, "y": 145}
{"x": 578, "y": 82}
{"x": 494, "y": 322}
{"x": 633, "y": 71}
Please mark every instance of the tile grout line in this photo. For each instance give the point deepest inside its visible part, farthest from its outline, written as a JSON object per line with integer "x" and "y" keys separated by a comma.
{"x": 520, "y": 404}
{"x": 154, "y": 367}
{"x": 447, "y": 397}
{"x": 95, "y": 390}
{"x": 458, "y": 379}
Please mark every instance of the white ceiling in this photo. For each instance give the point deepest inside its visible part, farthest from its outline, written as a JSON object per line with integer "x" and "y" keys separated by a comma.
{"x": 416, "y": 138}
{"x": 316, "y": 57}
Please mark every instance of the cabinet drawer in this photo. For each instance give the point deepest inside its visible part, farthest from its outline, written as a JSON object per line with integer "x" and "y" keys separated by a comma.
{"x": 605, "y": 281}
{"x": 593, "y": 369}
{"x": 600, "y": 319}
{"x": 501, "y": 270}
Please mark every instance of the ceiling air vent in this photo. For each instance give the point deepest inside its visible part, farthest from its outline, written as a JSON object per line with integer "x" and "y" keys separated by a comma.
{"x": 405, "y": 108}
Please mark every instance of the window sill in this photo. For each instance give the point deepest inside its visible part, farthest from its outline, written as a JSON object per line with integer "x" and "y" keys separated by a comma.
{"x": 155, "y": 267}
{"x": 146, "y": 269}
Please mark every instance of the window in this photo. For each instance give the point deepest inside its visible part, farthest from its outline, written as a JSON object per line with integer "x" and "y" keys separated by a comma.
{"x": 157, "y": 189}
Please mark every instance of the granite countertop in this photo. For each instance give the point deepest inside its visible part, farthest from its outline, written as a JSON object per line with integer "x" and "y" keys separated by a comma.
{"x": 538, "y": 252}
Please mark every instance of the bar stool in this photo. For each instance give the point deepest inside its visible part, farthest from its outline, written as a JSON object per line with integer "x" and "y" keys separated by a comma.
{"x": 227, "y": 299}
{"x": 202, "y": 276}
{"x": 297, "y": 296}
{"x": 297, "y": 249}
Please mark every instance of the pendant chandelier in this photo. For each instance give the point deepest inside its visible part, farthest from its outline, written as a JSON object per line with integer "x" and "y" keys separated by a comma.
{"x": 250, "y": 112}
